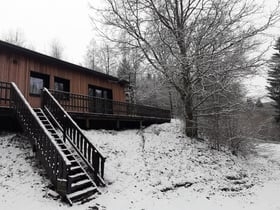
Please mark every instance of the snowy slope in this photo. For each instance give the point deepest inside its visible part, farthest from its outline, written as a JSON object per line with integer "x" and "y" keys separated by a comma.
{"x": 157, "y": 168}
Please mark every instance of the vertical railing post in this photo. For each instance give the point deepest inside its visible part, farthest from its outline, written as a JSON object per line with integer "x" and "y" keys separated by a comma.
{"x": 64, "y": 127}
{"x": 42, "y": 98}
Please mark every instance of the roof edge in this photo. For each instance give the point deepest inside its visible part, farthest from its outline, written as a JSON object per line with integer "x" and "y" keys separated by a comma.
{"x": 59, "y": 61}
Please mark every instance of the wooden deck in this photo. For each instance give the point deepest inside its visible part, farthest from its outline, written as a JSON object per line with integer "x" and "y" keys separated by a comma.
{"x": 94, "y": 120}
{"x": 92, "y": 112}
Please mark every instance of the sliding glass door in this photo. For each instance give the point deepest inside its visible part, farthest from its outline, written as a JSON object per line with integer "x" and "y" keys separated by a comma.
{"x": 100, "y": 101}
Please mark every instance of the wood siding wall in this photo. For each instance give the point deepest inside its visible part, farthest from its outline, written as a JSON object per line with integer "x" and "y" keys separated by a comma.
{"x": 16, "y": 68}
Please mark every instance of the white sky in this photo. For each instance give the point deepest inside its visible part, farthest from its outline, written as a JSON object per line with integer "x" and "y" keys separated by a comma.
{"x": 42, "y": 21}
{"x": 67, "y": 21}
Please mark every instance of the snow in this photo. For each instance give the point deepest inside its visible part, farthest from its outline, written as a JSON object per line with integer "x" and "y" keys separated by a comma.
{"x": 157, "y": 168}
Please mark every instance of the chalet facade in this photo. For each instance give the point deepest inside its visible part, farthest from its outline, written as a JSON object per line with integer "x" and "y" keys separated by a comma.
{"x": 93, "y": 99}
{"x": 32, "y": 71}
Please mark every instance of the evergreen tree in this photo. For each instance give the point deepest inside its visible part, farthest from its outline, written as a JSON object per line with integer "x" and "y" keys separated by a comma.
{"x": 274, "y": 79}
{"x": 124, "y": 70}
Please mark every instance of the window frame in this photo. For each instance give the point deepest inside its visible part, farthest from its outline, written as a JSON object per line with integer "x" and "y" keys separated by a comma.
{"x": 100, "y": 104}
{"x": 97, "y": 88}
{"x": 38, "y": 75}
{"x": 65, "y": 95}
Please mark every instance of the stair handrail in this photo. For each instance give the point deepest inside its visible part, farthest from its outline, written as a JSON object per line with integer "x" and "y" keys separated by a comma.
{"x": 59, "y": 174}
{"x": 80, "y": 145}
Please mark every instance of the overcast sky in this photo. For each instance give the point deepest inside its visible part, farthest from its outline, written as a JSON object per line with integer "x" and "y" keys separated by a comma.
{"x": 42, "y": 21}
{"x": 67, "y": 21}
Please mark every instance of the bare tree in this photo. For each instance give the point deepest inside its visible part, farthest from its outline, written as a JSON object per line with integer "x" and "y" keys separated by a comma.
{"x": 105, "y": 58}
{"x": 15, "y": 37}
{"x": 91, "y": 54}
{"x": 56, "y": 49}
{"x": 198, "y": 46}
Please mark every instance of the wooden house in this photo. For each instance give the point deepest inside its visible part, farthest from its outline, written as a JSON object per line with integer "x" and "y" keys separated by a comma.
{"x": 32, "y": 71}
{"x": 93, "y": 99}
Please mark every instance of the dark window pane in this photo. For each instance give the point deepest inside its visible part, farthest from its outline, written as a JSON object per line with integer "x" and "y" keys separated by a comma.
{"x": 61, "y": 84}
{"x": 105, "y": 94}
{"x": 36, "y": 85}
{"x": 98, "y": 93}
{"x": 37, "y": 82}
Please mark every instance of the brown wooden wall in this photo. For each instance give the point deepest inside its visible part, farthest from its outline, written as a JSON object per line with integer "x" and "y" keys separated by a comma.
{"x": 16, "y": 68}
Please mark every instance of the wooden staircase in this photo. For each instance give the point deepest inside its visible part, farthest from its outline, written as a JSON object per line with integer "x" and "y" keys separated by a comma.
{"x": 73, "y": 164}
{"x": 82, "y": 186}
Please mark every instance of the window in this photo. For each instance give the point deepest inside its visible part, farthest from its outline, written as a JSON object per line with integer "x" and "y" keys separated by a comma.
{"x": 98, "y": 102}
{"x": 61, "y": 84}
{"x": 37, "y": 82}
{"x": 99, "y": 92}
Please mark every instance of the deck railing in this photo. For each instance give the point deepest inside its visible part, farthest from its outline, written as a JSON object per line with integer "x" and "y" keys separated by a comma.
{"x": 55, "y": 162}
{"x": 87, "y": 151}
{"x": 87, "y": 104}
{"x": 5, "y": 93}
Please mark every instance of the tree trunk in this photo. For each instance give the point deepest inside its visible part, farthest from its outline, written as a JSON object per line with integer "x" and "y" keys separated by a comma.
{"x": 171, "y": 104}
{"x": 190, "y": 121}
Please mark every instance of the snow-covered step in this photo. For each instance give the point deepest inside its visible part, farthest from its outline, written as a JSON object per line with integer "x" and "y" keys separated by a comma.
{"x": 82, "y": 194}
{"x": 66, "y": 151}
{"x": 76, "y": 169}
{"x": 77, "y": 177}
{"x": 81, "y": 182}
{"x": 74, "y": 163}
{"x": 81, "y": 185}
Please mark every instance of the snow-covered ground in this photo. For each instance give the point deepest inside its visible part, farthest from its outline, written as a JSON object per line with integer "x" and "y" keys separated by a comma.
{"x": 157, "y": 168}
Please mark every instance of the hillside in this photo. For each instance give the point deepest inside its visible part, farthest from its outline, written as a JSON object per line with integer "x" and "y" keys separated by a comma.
{"x": 157, "y": 168}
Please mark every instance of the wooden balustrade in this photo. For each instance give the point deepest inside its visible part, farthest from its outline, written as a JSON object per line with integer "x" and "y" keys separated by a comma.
{"x": 81, "y": 103}
{"x": 89, "y": 153}
{"x": 5, "y": 93}
{"x": 53, "y": 160}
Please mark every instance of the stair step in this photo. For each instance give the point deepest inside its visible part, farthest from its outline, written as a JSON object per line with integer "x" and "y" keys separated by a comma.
{"x": 55, "y": 136}
{"x": 62, "y": 145}
{"x": 82, "y": 194}
{"x": 80, "y": 182}
{"x": 66, "y": 151}
{"x": 78, "y": 177}
{"x": 70, "y": 157}
{"x": 74, "y": 163}
{"x": 59, "y": 141}
{"x": 76, "y": 169}
{"x": 81, "y": 185}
